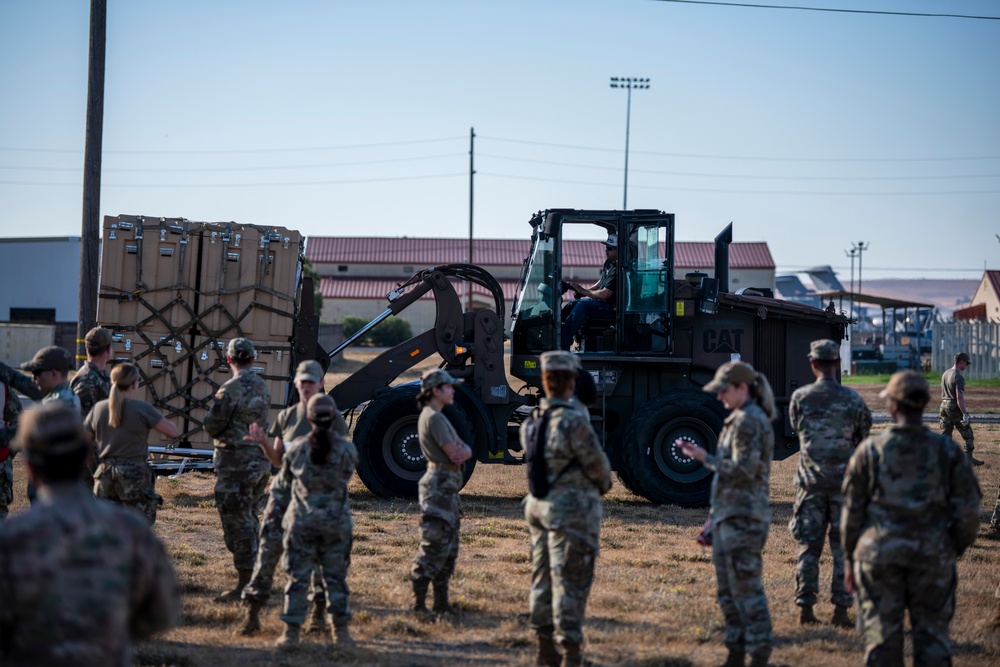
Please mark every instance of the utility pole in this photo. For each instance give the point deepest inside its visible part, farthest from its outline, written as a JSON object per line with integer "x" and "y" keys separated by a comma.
{"x": 628, "y": 83}
{"x": 91, "y": 229}
{"x": 852, "y": 254}
{"x": 860, "y": 247}
{"x": 472, "y": 172}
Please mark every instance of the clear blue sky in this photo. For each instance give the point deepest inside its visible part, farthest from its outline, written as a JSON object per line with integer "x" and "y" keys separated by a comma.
{"x": 808, "y": 130}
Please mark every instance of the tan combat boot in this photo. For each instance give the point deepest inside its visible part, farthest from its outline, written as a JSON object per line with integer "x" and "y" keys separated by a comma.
{"x": 251, "y": 621}
{"x": 548, "y": 654}
{"x": 841, "y": 618}
{"x": 317, "y": 623}
{"x": 289, "y": 640}
{"x": 235, "y": 594}
{"x": 737, "y": 658}
{"x": 342, "y": 637}
{"x": 420, "y": 595}
{"x": 806, "y": 615}
{"x": 441, "y": 605}
{"x": 572, "y": 654}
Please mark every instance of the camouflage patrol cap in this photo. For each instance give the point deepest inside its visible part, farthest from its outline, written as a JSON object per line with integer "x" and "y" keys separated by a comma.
{"x": 51, "y": 429}
{"x": 321, "y": 408}
{"x": 240, "y": 347}
{"x": 51, "y": 358}
{"x": 731, "y": 372}
{"x": 559, "y": 360}
{"x": 908, "y": 388}
{"x": 437, "y": 377}
{"x": 962, "y": 356}
{"x": 98, "y": 338}
{"x": 309, "y": 371}
{"x": 824, "y": 350}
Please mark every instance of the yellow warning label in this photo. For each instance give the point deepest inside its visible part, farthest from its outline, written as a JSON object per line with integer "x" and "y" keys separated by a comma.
{"x": 679, "y": 309}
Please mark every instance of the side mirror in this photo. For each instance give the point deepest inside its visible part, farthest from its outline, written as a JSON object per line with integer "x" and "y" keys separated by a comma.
{"x": 709, "y": 296}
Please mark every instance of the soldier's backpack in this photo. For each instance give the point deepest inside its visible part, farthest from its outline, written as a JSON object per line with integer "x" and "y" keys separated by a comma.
{"x": 537, "y": 428}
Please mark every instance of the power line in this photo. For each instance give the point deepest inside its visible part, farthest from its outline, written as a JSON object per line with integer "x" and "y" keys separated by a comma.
{"x": 746, "y": 192}
{"x": 829, "y": 9}
{"x": 235, "y": 151}
{"x": 240, "y": 185}
{"x": 749, "y": 157}
{"x": 742, "y": 176}
{"x": 185, "y": 170}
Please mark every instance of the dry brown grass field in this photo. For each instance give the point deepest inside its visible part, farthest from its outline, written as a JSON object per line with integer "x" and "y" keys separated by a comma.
{"x": 653, "y": 601}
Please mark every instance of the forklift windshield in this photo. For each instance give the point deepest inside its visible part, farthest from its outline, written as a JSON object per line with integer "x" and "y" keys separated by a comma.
{"x": 534, "y": 328}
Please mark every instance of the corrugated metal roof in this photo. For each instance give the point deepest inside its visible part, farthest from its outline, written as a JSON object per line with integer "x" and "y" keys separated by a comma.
{"x": 994, "y": 278}
{"x": 335, "y": 287}
{"x": 425, "y": 252}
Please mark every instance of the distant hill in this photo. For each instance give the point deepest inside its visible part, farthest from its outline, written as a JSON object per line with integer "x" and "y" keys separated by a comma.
{"x": 946, "y": 294}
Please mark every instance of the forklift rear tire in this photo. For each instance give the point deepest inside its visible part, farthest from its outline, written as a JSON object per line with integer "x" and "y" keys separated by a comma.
{"x": 390, "y": 462}
{"x": 655, "y": 465}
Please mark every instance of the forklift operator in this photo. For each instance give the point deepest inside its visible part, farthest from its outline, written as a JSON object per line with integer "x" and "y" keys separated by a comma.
{"x": 597, "y": 300}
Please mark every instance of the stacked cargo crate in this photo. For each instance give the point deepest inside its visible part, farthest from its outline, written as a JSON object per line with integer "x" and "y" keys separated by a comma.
{"x": 175, "y": 292}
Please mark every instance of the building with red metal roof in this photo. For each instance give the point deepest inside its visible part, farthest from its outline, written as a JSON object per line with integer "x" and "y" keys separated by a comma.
{"x": 357, "y": 272}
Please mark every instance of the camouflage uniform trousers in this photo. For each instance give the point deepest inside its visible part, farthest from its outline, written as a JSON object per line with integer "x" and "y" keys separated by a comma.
{"x": 885, "y": 592}
{"x": 565, "y": 531}
{"x": 737, "y": 543}
{"x": 241, "y": 481}
{"x": 6, "y": 486}
{"x": 951, "y": 419}
{"x": 128, "y": 482}
{"x": 269, "y": 550}
{"x": 329, "y": 556}
{"x": 439, "y": 526}
{"x": 815, "y": 514}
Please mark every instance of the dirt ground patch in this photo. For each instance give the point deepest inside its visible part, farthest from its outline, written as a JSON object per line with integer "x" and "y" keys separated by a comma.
{"x": 653, "y": 601}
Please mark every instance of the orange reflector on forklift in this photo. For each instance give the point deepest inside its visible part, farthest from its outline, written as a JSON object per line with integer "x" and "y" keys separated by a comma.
{"x": 415, "y": 353}
{"x": 460, "y": 350}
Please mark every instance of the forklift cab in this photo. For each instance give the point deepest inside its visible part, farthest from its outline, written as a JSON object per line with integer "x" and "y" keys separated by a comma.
{"x": 641, "y": 321}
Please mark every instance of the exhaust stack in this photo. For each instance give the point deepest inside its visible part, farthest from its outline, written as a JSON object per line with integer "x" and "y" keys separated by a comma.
{"x": 722, "y": 242}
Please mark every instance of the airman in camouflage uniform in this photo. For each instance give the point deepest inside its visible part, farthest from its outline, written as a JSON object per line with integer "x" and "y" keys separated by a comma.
{"x": 954, "y": 414}
{"x": 312, "y": 485}
{"x": 290, "y": 425}
{"x": 11, "y": 414}
{"x": 741, "y": 510}
{"x": 92, "y": 383}
{"x": 49, "y": 369}
{"x": 565, "y": 526}
{"x": 440, "y": 509}
{"x": 83, "y": 579}
{"x": 242, "y": 470}
{"x": 830, "y": 420}
{"x": 911, "y": 508}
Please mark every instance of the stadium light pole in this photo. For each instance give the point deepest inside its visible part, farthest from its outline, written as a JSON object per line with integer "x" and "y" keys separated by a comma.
{"x": 628, "y": 83}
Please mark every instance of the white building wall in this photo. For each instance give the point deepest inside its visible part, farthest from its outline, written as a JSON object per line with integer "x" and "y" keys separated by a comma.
{"x": 40, "y": 273}
{"x": 987, "y": 296}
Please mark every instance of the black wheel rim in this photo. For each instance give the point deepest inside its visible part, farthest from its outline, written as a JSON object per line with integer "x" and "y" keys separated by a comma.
{"x": 401, "y": 449}
{"x": 670, "y": 460}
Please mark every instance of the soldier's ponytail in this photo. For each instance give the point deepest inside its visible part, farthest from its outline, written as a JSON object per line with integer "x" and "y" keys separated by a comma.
{"x": 123, "y": 376}
{"x": 321, "y": 412}
{"x": 321, "y": 439}
{"x": 762, "y": 393}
